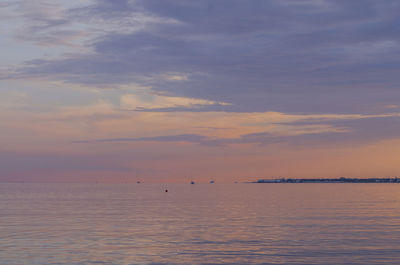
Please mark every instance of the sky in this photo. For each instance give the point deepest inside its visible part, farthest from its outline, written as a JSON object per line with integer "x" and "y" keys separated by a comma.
{"x": 177, "y": 90}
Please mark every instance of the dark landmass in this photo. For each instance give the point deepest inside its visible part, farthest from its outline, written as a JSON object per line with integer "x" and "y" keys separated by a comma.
{"x": 330, "y": 180}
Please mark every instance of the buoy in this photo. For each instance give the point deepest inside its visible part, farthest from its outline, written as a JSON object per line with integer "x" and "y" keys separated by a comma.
{"x": 166, "y": 190}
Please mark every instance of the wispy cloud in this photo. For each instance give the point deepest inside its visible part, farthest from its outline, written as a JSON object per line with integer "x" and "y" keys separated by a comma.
{"x": 157, "y": 102}
{"x": 167, "y": 138}
{"x": 43, "y": 22}
{"x": 272, "y": 128}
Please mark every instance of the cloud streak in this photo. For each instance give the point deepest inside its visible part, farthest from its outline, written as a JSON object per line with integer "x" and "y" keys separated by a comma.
{"x": 303, "y": 131}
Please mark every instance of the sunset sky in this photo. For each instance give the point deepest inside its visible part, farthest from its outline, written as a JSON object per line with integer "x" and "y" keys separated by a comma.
{"x": 175, "y": 90}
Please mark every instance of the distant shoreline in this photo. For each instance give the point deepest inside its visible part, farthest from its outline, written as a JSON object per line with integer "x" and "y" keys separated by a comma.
{"x": 330, "y": 180}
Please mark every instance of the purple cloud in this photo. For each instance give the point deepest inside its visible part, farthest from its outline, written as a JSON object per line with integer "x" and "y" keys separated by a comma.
{"x": 288, "y": 56}
{"x": 168, "y": 138}
{"x": 354, "y": 132}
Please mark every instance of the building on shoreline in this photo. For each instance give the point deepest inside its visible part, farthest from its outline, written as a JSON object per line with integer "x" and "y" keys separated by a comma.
{"x": 330, "y": 180}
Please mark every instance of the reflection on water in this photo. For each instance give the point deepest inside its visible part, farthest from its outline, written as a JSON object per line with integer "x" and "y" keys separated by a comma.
{"x": 199, "y": 224}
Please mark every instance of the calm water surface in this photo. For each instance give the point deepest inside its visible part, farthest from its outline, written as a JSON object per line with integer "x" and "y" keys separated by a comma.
{"x": 199, "y": 224}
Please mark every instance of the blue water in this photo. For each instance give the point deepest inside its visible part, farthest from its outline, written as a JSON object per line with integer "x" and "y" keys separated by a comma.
{"x": 199, "y": 224}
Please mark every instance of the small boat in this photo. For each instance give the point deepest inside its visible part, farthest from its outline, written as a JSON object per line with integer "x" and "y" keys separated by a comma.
{"x": 211, "y": 181}
{"x": 192, "y": 182}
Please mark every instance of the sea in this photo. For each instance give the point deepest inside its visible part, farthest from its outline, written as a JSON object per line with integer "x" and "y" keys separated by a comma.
{"x": 244, "y": 223}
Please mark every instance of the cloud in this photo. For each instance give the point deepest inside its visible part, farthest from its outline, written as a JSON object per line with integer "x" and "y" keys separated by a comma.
{"x": 307, "y": 56}
{"x": 338, "y": 133}
{"x": 157, "y": 102}
{"x": 43, "y": 22}
{"x": 193, "y": 138}
{"x": 273, "y": 128}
